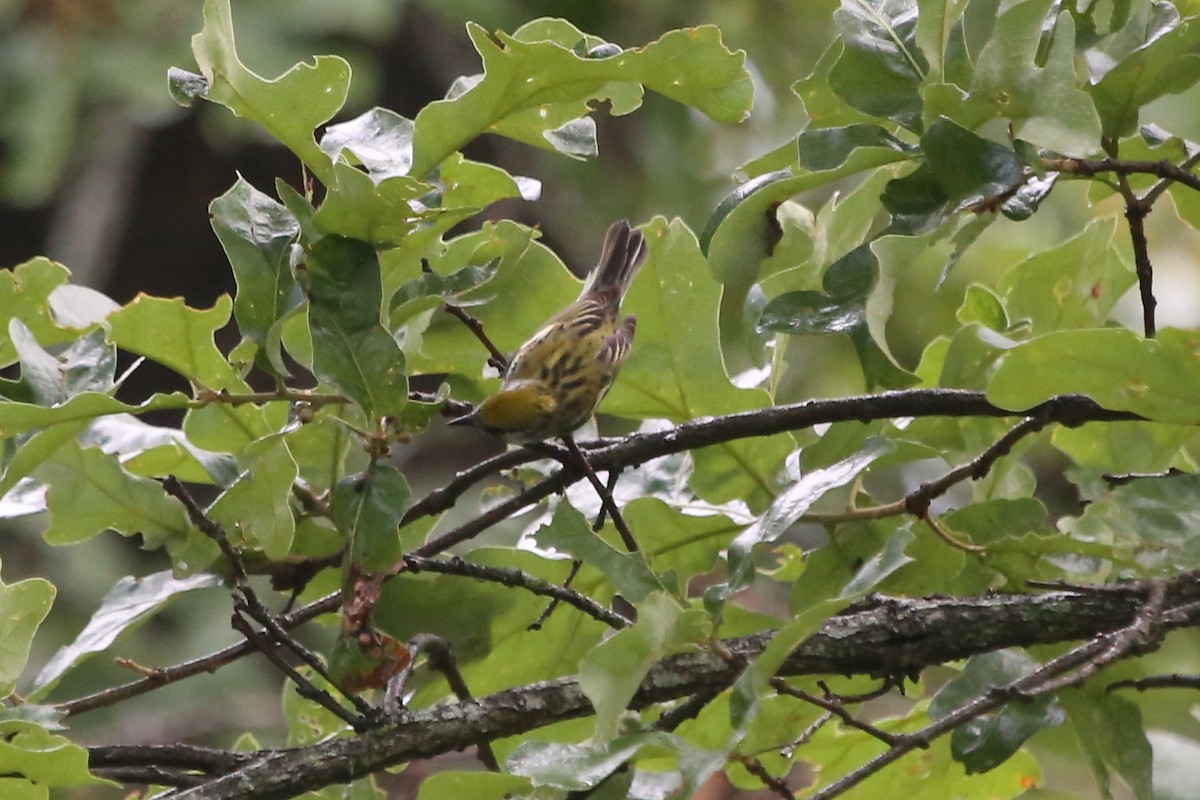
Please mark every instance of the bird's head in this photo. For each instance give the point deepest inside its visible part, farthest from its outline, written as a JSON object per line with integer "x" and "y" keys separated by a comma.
{"x": 518, "y": 412}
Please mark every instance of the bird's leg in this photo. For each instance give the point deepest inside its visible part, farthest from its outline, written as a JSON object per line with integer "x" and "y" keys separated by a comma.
{"x": 607, "y": 504}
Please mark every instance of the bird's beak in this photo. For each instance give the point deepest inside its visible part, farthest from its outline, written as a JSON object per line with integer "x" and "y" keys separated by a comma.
{"x": 465, "y": 420}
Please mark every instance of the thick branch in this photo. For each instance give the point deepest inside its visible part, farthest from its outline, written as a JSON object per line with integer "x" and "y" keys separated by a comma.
{"x": 881, "y": 637}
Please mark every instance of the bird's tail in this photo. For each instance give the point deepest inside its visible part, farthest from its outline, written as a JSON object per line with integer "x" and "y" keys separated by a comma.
{"x": 623, "y": 255}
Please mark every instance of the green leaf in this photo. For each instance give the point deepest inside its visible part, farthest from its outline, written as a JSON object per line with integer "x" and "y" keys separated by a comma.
{"x": 1121, "y": 447}
{"x": 185, "y": 86}
{"x": 1043, "y": 102}
{"x": 226, "y": 428}
{"x": 789, "y": 506}
{"x": 41, "y": 757}
{"x": 156, "y": 450}
{"x": 1109, "y": 729}
{"x": 77, "y": 307}
{"x": 754, "y": 683}
{"x": 528, "y": 284}
{"x": 1152, "y": 521}
{"x": 838, "y": 311}
{"x": 530, "y": 89}
{"x": 257, "y": 234}
{"x": 967, "y": 166}
{"x": 742, "y": 234}
{"x": 989, "y": 740}
{"x": 351, "y": 348}
{"x": 881, "y": 565}
{"x": 367, "y": 509}
{"x": 1174, "y": 755}
{"x": 289, "y": 107}
{"x": 610, "y": 674}
{"x": 87, "y": 365}
{"x": 255, "y": 508}
{"x": 382, "y": 213}
{"x": 675, "y": 537}
{"x": 20, "y": 789}
{"x": 379, "y": 139}
{"x": 488, "y": 623}
{"x": 1165, "y": 62}
{"x": 840, "y": 308}
{"x": 980, "y": 304}
{"x": 1157, "y": 378}
{"x": 939, "y": 27}
{"x": 178, "y": 337}
{"x": 131, "y": 602}
{"x": 835, "y": 751}
{"x": 570, "y": 533}
{"x": 676, "y": 370}
{"x": 881, "y": 70}
{"x": 89, "y": 492}
{"x": 1073, "y": 285}
{"x": 453, "y": 785}
{"x": 825, "y": 106}
{"x": 308, "y": 722}
{"x": 24, "y": 605}
{"x": 581, "y": 767}
{"x": 473, "y": 184}
{"x": 25, "y": 293}
{"x": 961, "y": 170}
{"x": 1025, "y": 202}
{"x": 828, "y": 148}
{"x": 20, "y": 418}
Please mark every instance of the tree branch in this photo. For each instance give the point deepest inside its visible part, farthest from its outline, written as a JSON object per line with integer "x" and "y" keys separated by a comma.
{"x": 1089, "y": 168}
{"x": 880, "y": 637}
{"x": 210, "y": 663}
{"x": 613, "y": 454}
{"x": 1070, "y": 410}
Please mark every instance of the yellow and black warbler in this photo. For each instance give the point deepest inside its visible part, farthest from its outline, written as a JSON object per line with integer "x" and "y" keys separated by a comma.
{"x": 557, "y": 378}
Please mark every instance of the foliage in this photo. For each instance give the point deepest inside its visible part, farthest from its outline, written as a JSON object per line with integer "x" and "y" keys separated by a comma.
{"x": 933, "y": 126}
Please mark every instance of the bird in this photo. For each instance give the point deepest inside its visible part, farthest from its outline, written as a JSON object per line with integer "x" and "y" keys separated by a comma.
{"x": 556, "y": 379}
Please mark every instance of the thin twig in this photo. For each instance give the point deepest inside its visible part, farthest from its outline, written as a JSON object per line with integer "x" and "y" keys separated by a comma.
{"x": 669, "y": 720}
{"x": 917, "y": 502}
{"x": 249, "y": 604}
{"x": 515, "y": 578}
{"x": 1172, "y": 681}
{"x": 1135, "y": 214}
{"x": 944, "y": 533}
{"x": 756, "y": 768}
{"x": 496, "y": 358}
{"x": 444, "y": 497}
{"x": 834, "y": 705}
{"x": 164, "y": 676}
{"x": 1185, "y": 168}
{"x": 537, "y": 624}
{"x": 613, "y": 476}
{"x": 441, "y": 658}
{"x": 1118, "y": 479}
{"x": 1089, "y": 168}
{"x": 151, "y": 776}
{"x": 205, "y": 397}
{"x": 304, "y": 687}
